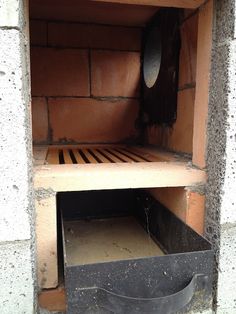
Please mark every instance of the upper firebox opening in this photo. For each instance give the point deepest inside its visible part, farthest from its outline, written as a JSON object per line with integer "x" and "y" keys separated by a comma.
{"x": 93, "y": 83}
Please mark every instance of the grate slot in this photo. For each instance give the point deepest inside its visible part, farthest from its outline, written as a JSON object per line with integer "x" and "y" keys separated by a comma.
{"x": 118, "y": 158}
{"x": 78, "y": 157}
{"x": 130, "y": 155}
{"x": 100, "y": 156}
{"x": 61, "y": 157}
{"x": 104, "y": 155}
{"x": 139, "y": 156}
{"x": 67, "y": 158}
{"x": 124, "y": 156}
{"x": 147, "y": 155}
{"x": 72, "y": 156}
{"x": 112, "y": 156}
{"x": 94, "y": 156}
{"x": 83, "y": 156}
{"x": 90, "y": 157}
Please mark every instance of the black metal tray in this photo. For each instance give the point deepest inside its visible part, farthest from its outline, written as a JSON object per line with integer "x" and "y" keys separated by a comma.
{"x": 178, "y": 282}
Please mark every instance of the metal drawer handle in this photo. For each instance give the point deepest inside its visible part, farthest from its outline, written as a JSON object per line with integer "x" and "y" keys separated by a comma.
{"x": 120, "y": 304}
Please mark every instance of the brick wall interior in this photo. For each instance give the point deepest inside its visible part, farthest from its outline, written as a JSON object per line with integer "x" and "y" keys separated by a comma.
{"x": 85, "y": 82}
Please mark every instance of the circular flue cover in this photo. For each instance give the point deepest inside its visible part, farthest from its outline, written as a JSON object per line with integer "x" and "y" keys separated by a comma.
{"x": 160, "y": 63}
{"x": 152, "y": 57}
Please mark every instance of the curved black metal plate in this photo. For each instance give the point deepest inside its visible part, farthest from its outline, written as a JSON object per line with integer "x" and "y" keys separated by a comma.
{"x": 120, "y": 304}
{"x": 159, "y": 97}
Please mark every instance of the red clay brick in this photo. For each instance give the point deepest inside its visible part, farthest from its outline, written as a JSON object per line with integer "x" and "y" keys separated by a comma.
{"x": 188, "y": 53}
{"x": 120, "y": 38}
{"x": 115, "y": 73}
{"x": 180, "y": 137}
{"x": 68, "y": 35}
{"x": 90, "y": 120}
{"x": 196, "y": 211}
{"x": 204, "y": 53}
{"x": 39, "y": 119}
{"x": 53, "y": 299}
{"x": 38, "y": 33}
{"x": 94, "y": 36}
{"x": 59, "y": 72}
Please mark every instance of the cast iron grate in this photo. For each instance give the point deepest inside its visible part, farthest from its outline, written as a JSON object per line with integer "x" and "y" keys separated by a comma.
{"x": 95, "y": 155}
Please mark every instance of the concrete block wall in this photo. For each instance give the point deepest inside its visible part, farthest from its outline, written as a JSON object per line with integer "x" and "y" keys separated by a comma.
{"x": 221, "y": 156}
{"x": 16, "y": 197}
{"x": 85, "y": 82}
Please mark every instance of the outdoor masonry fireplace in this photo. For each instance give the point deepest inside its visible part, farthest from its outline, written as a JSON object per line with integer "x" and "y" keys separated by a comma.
{"x": 119, "y": 107}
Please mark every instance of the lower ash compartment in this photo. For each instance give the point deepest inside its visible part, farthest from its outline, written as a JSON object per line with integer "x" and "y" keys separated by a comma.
{"x": 126, "y": 253}
{"x": 106, "y": 240}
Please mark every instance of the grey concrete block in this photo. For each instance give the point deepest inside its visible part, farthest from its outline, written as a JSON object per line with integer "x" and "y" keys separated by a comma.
{"x": 224, "y": 26}
{"x": 216, "y": 132}
{"x": 15, "y": 194}
{"x": 9, "y": 13}
{"x": 221, "y": 165}
{"x": 228, "y": 212}
{"x": 17, "y": 292}
{"x": 221, "y": 152}
{"x": 226, "y": 294}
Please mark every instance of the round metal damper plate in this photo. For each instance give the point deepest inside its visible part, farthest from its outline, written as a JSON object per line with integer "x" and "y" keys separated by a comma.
{"x": 152, "y": 57}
